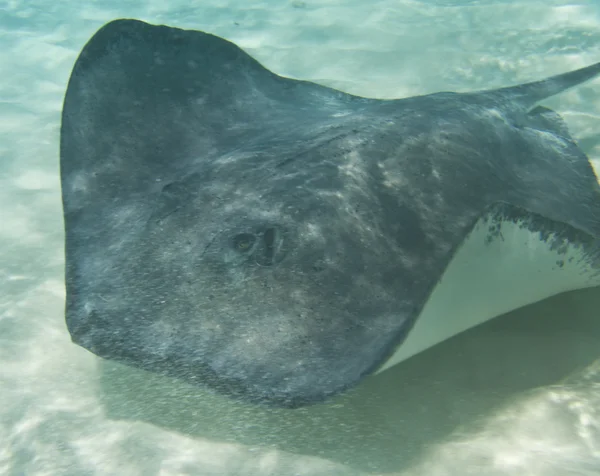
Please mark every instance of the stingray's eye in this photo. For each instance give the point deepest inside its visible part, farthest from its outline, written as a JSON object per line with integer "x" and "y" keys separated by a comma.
{"x": 243, "y": 242}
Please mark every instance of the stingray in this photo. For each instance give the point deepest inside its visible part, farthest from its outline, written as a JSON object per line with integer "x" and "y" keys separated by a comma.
{"x": 278, "y": 241}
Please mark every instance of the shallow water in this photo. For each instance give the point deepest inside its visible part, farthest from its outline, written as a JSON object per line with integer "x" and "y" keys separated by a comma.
{"x": 518, "y": 396}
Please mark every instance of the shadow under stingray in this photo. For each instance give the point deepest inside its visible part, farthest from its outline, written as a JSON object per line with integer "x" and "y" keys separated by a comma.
{"x": 391, "y": 418}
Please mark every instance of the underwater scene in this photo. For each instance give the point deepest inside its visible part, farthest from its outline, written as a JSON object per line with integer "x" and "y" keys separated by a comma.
{"x": 300, "y": 238}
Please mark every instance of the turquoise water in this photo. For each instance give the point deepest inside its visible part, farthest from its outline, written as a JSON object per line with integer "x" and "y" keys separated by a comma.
{"x": 516, "y": 397}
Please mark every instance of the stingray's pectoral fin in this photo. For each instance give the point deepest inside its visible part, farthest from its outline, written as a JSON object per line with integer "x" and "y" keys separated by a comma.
{"x": 511, "y": 258}
{"x": 559, "y": 181}
{"x": 164, "y": 133}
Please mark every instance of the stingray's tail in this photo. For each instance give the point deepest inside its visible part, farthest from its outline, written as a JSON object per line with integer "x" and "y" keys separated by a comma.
{"x": 529, "y": 94}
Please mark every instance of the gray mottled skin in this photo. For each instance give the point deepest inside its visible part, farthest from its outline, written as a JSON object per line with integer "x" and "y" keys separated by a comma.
{"x": 273, "y": 238}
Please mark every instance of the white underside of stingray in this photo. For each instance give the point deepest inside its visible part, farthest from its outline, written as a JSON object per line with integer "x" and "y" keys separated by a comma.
{"x": 596, "y": 166}
{"x": 485, "y": 280}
